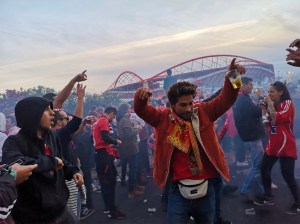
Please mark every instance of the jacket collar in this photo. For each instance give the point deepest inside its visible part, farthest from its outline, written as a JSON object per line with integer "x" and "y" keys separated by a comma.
{"x": 172, "y": 118}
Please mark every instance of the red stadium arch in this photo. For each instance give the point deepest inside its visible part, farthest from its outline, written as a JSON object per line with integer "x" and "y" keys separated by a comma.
{"x": 207, "y": 71}
{"x": 126, "y": 78}
{"x": 206, "y": 63}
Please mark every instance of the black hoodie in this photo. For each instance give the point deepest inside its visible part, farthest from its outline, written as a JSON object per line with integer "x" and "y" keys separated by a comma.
{"x": 43, "y": 197}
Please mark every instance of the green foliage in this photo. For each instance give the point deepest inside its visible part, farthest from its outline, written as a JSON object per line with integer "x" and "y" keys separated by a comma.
{"x": 39, "y": 91}
{"x": 9, "y": 99}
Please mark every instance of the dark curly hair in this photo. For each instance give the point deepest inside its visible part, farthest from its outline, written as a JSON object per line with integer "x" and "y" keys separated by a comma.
{"x": 180, "y": 89}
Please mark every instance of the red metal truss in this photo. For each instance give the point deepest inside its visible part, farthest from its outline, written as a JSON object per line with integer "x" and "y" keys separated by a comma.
{"x": 205, "y": 63}
{"x": 211, "y": 65}
{"x": 126, "y": 78}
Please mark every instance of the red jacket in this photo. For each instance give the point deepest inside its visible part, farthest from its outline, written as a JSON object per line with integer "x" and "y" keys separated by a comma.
{"x": 204, "y": 114}
{"x": 283, "y": 143}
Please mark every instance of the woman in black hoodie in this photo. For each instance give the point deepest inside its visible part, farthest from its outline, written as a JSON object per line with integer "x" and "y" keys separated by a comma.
{"x": 43, "y": 197}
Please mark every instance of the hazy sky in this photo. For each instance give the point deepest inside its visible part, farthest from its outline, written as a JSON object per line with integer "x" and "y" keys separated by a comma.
{"x": 47, "y": 42}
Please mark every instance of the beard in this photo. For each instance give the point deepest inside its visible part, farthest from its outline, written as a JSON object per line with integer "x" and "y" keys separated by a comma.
{"x": 185, "y": 116}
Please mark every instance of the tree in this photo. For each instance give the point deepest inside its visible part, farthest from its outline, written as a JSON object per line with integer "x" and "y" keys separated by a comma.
{"x": 9, "y": 99}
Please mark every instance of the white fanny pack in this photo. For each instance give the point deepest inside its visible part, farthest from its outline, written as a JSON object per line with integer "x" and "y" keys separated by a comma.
{"x": 193, "y": 189}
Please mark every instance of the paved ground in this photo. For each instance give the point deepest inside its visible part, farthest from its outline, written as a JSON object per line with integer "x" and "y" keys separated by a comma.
{"x": 233, "y": 206}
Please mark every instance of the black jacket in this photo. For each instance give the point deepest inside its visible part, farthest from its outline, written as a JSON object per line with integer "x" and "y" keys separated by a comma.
{"x": 65, "y": 136}
{"x": 247, "y": 117}
{"x": 43, "y": 197}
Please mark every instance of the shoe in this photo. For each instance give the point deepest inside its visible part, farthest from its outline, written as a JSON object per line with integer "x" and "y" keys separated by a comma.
{"x": 263, "y": 200}
{"x": 135, "y": 193}
{"x": 228, "y": 189}
{"x": 247, "y": 197}
{"x": 274, "y": 186}
{"x": 222, "y": 221}
{"x": 116, "y": 214}
{"x": 242, "y": 164}
{"x": 295, "y": 209}
{"x": 106, "y": 210}
{"x": 86, "y": 213}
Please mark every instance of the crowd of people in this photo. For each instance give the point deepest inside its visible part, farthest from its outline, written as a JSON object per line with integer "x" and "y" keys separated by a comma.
{"x": 48, "y": 154}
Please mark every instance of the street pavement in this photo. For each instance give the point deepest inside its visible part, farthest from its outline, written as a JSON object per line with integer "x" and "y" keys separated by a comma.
{"x": 233, "y": 206}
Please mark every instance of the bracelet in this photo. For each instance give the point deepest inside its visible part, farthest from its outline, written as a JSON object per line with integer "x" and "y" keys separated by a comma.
{"x": 12, "y": 173}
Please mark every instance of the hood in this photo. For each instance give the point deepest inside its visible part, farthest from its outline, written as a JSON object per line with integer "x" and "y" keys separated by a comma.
{"x": 2, "y": 122}
{"x": 28, "y": 113}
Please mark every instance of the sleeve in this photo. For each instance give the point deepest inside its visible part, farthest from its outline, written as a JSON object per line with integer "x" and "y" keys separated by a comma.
{"x": 2, "y": 140}
{"x": 12, "y": 152}
{"x": 147, "y": 112}
{"x": 223, "y": 130}
{"x": 105, "y": 136}
{"x": 69, "y": 170}
{"x": 71, "y": 127}
{"x": 218, "y": 106}
{"x": 286, "y": 114}
{"x": 213, "y": 96}
{"x": 8, "y": 195}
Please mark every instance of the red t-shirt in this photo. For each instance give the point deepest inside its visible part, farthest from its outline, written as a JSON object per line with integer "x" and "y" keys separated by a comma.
{"x": 101, "y": 124}
{"x": 180, "y": 169}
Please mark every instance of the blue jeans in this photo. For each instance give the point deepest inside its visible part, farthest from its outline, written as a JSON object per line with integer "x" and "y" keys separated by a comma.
{"x": 180, "y": 209}
{"x": 256, "y": 152}
{"x": 218, "y": 188}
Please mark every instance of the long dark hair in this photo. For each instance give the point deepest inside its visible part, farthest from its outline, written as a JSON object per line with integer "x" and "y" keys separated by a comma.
{"x": 280, "y": 86}
{"x": 123, "y": 109}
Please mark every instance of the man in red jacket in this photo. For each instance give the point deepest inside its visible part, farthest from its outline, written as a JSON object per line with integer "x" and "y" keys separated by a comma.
{"x": 187, "y": 147}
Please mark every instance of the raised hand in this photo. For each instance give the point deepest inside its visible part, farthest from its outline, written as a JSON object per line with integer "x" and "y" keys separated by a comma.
{"x": 144, "y": 93}
{"x": 234, "y": 67}
{"x": 81, "y": 77}
{"x": 80, "y": 90}
{"x": 295, "y": 43}
{"x": 293, "y": 57}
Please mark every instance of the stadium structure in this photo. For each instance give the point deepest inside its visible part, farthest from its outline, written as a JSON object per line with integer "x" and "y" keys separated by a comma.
{"x": 206, "y": 72}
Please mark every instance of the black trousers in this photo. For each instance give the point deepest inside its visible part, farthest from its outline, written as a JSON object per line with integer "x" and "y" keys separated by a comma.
{"x": 87, "y": 177}
{"x": 107, "y": 174}
{"x": 287, "y": 165}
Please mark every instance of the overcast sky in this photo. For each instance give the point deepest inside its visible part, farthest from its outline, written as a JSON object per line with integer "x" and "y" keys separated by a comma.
{"x": 47, "y": 42}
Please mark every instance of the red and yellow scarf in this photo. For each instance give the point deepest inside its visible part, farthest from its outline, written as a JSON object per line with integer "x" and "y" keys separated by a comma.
{"x": 183, "y": 138}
